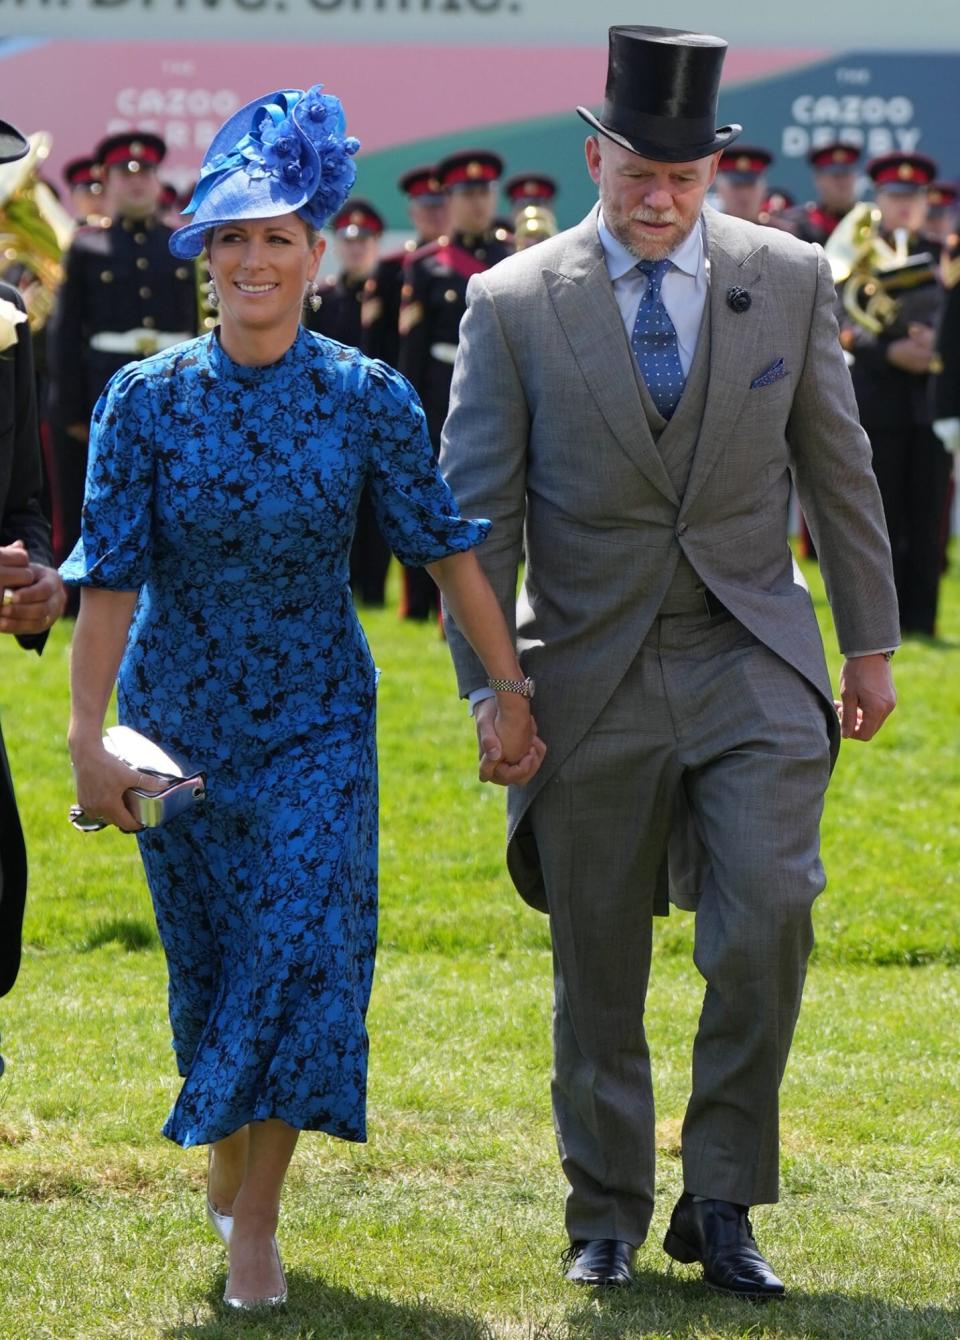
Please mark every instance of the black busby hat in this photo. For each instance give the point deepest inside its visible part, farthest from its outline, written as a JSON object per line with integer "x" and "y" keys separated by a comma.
{"x": 661, "y": 94}
{"x": 12, "y": 143}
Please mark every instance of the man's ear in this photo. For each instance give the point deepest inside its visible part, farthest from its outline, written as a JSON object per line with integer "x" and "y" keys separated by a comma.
{"x": 594, "y": 157}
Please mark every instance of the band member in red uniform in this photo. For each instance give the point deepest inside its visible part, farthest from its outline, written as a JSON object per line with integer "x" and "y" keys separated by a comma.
{"x": 434, "y": 299}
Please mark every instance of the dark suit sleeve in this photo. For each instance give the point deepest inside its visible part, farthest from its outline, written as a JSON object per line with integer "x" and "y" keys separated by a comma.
{"x": 837, "y": 487}
{"x": 23, "y": 517}
{"x": 66, "y": 344}
{"x": 483, "y": 458}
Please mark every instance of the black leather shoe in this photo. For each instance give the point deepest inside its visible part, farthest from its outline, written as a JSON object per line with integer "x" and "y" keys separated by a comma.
{"x": 600, "y": 1261}
{"x": 719, "y": 1234}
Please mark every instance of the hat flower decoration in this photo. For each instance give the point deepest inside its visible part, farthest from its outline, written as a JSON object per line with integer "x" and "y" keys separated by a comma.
{"x": 284, "y": 153}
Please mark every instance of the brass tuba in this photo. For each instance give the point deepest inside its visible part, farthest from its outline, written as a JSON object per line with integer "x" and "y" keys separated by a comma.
{"x": 35, "y": 230}
{"x": 871, "y": 274}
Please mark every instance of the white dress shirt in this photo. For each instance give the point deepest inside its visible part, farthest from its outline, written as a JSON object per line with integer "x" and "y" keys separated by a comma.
{"x": 684, "y": 288}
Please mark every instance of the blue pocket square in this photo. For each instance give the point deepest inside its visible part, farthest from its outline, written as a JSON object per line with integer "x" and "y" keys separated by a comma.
{"x": 772, "y": 374}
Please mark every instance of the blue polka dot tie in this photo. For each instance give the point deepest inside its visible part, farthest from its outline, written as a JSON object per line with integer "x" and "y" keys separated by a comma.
{"x": 654, "y": 342}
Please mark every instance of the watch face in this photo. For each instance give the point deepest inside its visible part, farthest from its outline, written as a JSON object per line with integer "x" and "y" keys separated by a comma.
{"x": 531, "y": 687}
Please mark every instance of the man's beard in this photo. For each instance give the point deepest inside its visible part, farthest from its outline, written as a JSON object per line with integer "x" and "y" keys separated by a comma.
{"x": 650, "y": 249}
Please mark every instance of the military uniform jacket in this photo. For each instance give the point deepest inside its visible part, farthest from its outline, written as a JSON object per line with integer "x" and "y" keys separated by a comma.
{"x": 888, "y": 397}
{"x": 380, "y": 311}
{"x": 116, "y": 279}
{"x": 434, "y": 301}
{"x": 21, "y": 518}
{"x": 338, "y": 316}
{"x": 946, "y": 391}
{"x": 811, "y": 222}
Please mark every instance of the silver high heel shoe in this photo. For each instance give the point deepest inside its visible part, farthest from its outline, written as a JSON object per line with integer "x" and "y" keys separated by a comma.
{"x": 222, "y": 1224}
{"x": 271, "y": 1300}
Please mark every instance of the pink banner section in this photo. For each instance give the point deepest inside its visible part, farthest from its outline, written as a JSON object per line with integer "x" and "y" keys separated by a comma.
{"x": 394, "y": 94}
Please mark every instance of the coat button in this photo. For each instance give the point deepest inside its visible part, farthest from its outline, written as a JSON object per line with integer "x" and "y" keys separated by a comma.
{"x": 106, "y": 276}
{"x": 182, "y": 272}
{"x": 146, "y": 292}
{"x": 450, "y": 295}
{"x": 149, "y": 322}
{"x": 140, "y": 238}
{"x": 142, "y": 263}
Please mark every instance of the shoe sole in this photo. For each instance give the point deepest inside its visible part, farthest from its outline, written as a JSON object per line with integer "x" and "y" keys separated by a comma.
{"x": 600, "y": 1283}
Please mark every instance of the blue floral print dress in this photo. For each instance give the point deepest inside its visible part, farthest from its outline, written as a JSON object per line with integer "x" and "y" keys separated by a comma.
{"x": 227, "y": 496}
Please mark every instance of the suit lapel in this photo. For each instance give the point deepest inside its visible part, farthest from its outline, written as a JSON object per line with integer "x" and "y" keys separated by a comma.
{"x": 583, "y": 300}
{"x": 734, "y": 339}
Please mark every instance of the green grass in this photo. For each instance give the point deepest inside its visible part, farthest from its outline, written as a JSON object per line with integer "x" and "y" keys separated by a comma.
{"x": 447, "y": 1225}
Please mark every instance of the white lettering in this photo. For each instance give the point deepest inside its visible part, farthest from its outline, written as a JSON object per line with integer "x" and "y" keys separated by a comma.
{"x": 795, "y": 142}
{"x": 847, "y": 75}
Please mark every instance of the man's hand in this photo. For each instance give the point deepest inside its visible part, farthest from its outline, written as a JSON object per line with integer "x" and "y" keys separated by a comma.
{"x": 915, "y": 352}
{"x": 32, "y": 597}
{"x": 493, "y": 768}
{"x": 867, "y": 696}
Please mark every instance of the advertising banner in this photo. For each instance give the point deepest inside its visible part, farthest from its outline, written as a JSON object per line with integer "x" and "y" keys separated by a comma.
{"x": 412, "y": 104}
{"x": 889, "y": 25}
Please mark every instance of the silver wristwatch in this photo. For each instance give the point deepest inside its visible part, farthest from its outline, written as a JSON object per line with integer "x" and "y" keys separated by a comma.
{"x": 525, "y": 687}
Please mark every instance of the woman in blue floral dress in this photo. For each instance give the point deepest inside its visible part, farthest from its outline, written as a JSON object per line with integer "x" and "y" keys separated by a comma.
{"x": 221, "y": 501}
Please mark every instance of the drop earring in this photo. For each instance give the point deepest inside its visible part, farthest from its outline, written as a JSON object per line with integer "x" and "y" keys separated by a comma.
{"x": 213, "y": 297}
{"x": 313, "y": 296}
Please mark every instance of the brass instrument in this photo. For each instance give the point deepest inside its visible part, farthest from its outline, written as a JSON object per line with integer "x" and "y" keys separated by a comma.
{"x": 35, "y": 230}
{"x": 535, "y": 223}
{"x": 871, "y": 274}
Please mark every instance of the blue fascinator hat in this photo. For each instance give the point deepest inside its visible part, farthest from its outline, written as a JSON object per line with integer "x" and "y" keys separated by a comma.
{"x": 285, "y": 153}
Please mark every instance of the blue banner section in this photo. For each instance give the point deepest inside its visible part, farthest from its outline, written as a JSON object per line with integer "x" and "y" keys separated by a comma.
{"x": 881, "y": 102}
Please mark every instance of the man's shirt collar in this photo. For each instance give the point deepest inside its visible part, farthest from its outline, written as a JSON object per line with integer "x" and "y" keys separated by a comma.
{"x": 688, "y": 256}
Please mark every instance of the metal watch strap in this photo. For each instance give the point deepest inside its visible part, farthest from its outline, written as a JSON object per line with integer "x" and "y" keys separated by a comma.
{"x": 522, "y": 686}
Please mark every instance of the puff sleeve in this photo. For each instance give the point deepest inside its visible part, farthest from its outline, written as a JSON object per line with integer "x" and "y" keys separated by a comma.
{"x": 415, "y": 509}
{"x": 114, "y": 549}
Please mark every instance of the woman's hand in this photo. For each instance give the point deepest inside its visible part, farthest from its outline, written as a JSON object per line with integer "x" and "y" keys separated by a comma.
{"x": 101, "y": 781}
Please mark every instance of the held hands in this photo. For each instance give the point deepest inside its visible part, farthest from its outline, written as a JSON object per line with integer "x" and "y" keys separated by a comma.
{"x": 867, "y": 696}
{"x": 33, "y": 596}
{"x": 511, "y": 751}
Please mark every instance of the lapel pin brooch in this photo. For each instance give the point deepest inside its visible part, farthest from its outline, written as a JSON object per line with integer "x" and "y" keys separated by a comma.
{"x": 738, "y": 299}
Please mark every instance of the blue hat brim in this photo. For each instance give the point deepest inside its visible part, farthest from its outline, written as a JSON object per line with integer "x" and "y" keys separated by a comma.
{"x": 236, "y": 198}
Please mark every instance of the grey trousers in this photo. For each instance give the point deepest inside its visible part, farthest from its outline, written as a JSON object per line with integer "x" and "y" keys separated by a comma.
{"x": 707, "y": 708}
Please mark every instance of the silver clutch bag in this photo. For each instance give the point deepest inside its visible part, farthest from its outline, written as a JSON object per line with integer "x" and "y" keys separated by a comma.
{"x": 178, "y": 786}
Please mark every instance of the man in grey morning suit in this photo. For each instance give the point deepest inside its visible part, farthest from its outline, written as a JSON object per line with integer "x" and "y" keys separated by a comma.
{"x": 681, "y": 685}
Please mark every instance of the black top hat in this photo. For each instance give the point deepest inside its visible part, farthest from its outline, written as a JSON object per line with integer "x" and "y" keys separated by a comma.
{"x": 12, "y": 143}
{"x": 661, "y": 94}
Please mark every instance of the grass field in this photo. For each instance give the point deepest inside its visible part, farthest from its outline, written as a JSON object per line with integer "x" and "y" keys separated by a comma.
{"x": 447, "y": 1225}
